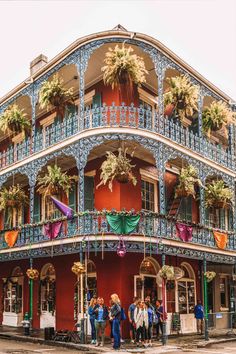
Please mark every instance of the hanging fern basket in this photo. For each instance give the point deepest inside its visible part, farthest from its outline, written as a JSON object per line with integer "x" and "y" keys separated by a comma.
{"x": 122, "y": 178}
{"x": 222, "y": 205}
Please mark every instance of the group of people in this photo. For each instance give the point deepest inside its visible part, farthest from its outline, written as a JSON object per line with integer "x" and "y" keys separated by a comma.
{"x": 142, "y": 315}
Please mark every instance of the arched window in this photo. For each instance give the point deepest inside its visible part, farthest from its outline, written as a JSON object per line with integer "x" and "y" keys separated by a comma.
{"x": 186, "y": 290}
{"x": 47, "y": 291}
{"x": 13, "y": 288}
{"x": 149, "y": 267}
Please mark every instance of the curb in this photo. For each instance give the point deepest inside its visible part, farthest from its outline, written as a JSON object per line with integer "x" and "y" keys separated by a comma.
{"x": 216, "y": 341}
{"x": 81, "y": 347}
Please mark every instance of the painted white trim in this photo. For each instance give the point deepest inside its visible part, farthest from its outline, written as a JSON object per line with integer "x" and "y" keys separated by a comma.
{"x": 147, "y": 97}
{"x": 48, "y": 120}
{"x": 88, "y": 98}
{"x": 152, "y": 180}
{"x": 91, "y": 173}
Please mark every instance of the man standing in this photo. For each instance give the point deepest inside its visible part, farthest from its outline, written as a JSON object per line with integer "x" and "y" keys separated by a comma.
{"x": 199, "y": 315}
{"x": 131, "y": 309}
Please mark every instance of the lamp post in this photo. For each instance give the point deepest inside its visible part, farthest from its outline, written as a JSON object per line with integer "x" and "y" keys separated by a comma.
{"x": 164, "y": 335}
{"x": 206, "y": 332}
{"x": 31, "y": 291}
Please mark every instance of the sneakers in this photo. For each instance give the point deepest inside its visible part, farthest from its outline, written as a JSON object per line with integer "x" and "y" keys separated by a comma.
{"x": 122, "y": 340}
{"x": 132, "y": 341}
{"x": 97, "y": 344}
{"x": 93, "y": 341}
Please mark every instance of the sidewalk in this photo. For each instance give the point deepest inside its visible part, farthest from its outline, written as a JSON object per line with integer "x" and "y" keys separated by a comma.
{"x": 174, "y": 342}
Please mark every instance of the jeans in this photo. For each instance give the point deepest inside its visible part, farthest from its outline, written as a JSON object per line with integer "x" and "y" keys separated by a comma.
{"x": 116, "y": 333}
{"x": 93, "y": 330}
{"x": 159, "y": 325}
{"x": 100, "y": 330}
{"x": 140, "y": 332}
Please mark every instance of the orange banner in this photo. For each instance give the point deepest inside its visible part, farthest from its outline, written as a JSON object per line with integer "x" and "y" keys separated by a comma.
{"x": 11, "y": 237}
{"x": 221, "y": 239}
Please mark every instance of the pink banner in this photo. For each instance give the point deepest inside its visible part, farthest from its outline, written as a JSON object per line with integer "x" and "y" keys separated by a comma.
{"x": 184, "y": 232}
{"x": 52, "y": 230}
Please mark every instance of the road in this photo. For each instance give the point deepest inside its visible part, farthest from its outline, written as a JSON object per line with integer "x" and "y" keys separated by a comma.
{"x": 12, "y": 347}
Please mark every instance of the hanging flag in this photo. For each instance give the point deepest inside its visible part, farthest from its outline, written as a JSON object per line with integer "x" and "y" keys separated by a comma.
{"x": 52, "y": 230}
{"x": 221, "y": 239}
{"x": 123, "y": 224}
{"x": 184, "y": 232}
{"x": 64, "y": 209}
{"x": 11, "y": 237}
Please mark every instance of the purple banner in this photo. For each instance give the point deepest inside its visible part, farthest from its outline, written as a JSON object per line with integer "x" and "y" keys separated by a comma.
{"x": 184, "y": 232}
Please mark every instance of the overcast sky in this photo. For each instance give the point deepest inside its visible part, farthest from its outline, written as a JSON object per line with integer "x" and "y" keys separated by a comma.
{"x": 201, "y": 32}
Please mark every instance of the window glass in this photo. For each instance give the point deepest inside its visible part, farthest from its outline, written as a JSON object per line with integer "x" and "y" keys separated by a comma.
{"x": 185, "y": 210}
{"x": 148, "y": 196}
{"x": 147, "y": 113}
{"x": 223, "y": 292}
{"x": 186, "y": 296}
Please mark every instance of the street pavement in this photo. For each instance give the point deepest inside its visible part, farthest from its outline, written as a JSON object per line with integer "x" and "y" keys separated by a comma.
{"x": 15, "y": 347}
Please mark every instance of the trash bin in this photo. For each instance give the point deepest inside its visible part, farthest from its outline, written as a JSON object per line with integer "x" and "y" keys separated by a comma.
{"x": 26, "y": 324}
{"x": 49, "y": 333}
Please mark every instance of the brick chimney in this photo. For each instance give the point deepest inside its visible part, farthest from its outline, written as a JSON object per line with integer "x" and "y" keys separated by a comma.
{"x": 37, "y": 63}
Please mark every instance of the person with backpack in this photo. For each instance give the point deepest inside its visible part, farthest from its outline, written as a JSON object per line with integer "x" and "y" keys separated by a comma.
{"x": 131, "y": 309}
{"x": 160, "y": 318}
{"x": 115, "y": 316}
{"x": 141, "y": 322}
{"x": 101, "y": 316}
{"x": 150, "y": 311}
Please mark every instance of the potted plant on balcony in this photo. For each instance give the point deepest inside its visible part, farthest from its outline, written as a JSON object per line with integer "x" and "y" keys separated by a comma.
{"x": 182, "y": 98}
{"x": 11, "y": 198}
{"x": 117, "y": 167}
{"x": 14, "y": 120}
{"x": 123, "y": 69}
{"x": 217, "y": 195}
{"x": 55, "y": 181}
{"x": 54, "y": 94}
{"x": 216, "y": 116}
{"x": 187, "y": 181}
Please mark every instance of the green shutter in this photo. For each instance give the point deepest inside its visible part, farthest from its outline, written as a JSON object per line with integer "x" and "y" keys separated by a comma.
{"x": 207, "y": 221}
{"x": 88, "y": 193}
{"x": 230, "y": 219}
{"x": 6, "y": 223}
{"x": 97, "y": 100}
{"x": 72, "y": 198}
{"x": 222, "y": 219}
{"x": 37, "y": 214}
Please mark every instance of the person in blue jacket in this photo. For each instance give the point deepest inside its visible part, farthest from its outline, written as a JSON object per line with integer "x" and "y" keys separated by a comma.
{"x": 199, "y": 315}
{"x": 92, "y": 304}
{"x": 101, "y": 316}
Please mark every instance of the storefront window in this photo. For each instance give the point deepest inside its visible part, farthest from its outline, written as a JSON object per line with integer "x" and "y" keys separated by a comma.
{"x": 186, "y": 290}
{"x": 48, "y": 289}
{"x": 13, "y": 292}
{"x": 223, "y": 292}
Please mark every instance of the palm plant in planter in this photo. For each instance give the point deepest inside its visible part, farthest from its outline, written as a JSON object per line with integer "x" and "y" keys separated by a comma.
{"x": 11, "y": 198}
{"x": 53, "y": 94}
{"x": 55, "y": 181}
{"x": 14, "y": 120}
{"x": 216, "y": 116}
{"x": 117, "y": 167}
{"x": 122, "y": 67}
{"x": 182, "y": 97}
{"x": 217, "y": 195}
{"x": 188, "y": 178}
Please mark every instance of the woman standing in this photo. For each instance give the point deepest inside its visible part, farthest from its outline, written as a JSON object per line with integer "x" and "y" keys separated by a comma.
{"x": 92, "y": 304}
{"x": 150, "y": 311}
{"x": 115, "y": 316}
{"x": 141, "y": 322}
{"x": 101, "y": 316}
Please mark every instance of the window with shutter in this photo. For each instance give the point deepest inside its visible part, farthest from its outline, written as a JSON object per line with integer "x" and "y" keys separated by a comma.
{"x": 72, "y": 198}
{"x": 97, "y": 103}
{"x": 88, "y": 192}
{"x": 185, "y": 210}
{"x": 37, "y": 214}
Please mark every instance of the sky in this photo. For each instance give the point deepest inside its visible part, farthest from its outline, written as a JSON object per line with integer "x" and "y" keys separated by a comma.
{"x": 201, "y": 32}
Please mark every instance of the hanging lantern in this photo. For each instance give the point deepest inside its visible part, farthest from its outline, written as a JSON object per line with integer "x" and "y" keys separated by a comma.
{"x": 121, "y": 249}
{"x": 32, "y": 273}
{"x": 78, "y": 268}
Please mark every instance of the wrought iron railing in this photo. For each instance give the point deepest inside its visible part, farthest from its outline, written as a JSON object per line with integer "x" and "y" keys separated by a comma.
{"x": 95, "y": 224}
{"x": 118, "y": 116}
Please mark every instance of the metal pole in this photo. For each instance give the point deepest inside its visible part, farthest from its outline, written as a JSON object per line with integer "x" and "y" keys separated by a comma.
{"x": 206, "y": 332}
{"x": 82, "y": 333}
{"x": 31, "y": 291}
{"x": 164, "y": 335}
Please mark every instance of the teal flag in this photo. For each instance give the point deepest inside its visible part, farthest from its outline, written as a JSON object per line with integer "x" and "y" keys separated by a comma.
{"x": 123, "y": 224}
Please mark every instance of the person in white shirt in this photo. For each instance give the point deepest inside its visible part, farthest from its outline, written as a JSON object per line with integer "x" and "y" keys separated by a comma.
{"x": 141, "y": 322}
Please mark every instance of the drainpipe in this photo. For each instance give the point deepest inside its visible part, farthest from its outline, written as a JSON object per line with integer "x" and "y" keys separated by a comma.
{"x": 31, "y": 291}
{"x": 206, "y": 332}
{"x": 164, "y": 335}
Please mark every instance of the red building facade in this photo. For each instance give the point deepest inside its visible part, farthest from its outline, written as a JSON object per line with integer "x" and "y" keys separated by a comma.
{"x": 103, "y": 119}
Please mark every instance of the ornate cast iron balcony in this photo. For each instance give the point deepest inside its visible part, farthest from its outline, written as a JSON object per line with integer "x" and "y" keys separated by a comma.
{"x": 95, "y": 224}
{"x": 118, "y": 116}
